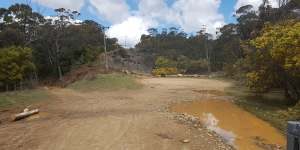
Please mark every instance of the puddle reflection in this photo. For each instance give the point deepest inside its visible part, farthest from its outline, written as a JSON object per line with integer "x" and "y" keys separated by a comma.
{"x": 211, "y": 122}
{"x": 238, "y": 127}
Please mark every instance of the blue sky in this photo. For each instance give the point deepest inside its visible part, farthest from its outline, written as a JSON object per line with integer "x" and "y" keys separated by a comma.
{"x": 129, "y": 19}
{"x": 227, "y": 8}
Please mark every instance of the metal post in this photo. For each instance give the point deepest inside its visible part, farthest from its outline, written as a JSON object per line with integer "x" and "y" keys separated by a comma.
{"x": 207, "y": 50}
{"x": 207, "y": 57}
{"x": 105, "y": 49}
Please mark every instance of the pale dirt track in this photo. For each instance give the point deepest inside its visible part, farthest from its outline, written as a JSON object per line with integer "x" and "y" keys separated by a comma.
{"x": 119, "y": 120}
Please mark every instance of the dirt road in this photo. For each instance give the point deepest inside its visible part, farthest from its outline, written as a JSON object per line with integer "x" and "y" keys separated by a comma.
{"x": 116, "y": 120}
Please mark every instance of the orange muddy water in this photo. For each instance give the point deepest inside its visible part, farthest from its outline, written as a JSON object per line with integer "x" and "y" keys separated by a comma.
{"x": 239, "y": 128}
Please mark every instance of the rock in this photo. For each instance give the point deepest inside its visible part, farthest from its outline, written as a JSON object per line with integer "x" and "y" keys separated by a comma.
{"x": 180, "y": 75}
{"x": 185, "y": 141}
{"x": 193, "y": 119}
{"x": 127, "y": 72}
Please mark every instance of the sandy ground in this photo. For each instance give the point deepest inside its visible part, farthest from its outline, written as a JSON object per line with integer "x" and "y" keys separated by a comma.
{"x": 116, "y": 120}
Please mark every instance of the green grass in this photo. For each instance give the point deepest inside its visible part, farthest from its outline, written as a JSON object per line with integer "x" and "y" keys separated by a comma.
{"x": 22, "y": 98}
{"x": 272, "y": 107}
{"x": 106, "y": 82}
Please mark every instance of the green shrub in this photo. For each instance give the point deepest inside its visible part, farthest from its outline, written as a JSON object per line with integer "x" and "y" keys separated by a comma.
{"x": 15, "y": 64}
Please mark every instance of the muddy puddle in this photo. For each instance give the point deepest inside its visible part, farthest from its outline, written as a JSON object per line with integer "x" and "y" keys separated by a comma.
{"x": 239, "y": 128}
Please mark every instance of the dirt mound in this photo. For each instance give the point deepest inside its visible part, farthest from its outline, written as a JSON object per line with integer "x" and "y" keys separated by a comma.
{"x": 83, "y": 72}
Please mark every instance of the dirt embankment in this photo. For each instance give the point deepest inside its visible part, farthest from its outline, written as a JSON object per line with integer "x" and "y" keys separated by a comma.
{"x": 120, "y": 120}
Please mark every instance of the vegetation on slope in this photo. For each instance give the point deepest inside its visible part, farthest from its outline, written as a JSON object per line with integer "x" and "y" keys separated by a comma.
{"x": 51, "y": 47}
{"x": 106, "y": 82}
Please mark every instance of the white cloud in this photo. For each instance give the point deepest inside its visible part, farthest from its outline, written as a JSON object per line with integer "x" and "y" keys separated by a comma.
{"x": 129, "y": 31}
{"x": 155, "y": 10}
{"x": 129, "y": 25}
{"x": 254, "y": 3}
{"x": 69, "y": 4}
{"x": 191, "y": 15}
{"x": 114, "y": 11}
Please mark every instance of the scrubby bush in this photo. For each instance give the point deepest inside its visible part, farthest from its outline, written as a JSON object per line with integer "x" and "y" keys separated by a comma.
{"x": 164, "y": 66}
{"x": 164, "y": 71}
{"x": 183, "y": 64}
{"x": 197, "y": 66}
{"x": 238, "y": 70}
{"x": 187, "y": 65}
{"x": 163, "y": 62}
{"x": 277, "y": 59}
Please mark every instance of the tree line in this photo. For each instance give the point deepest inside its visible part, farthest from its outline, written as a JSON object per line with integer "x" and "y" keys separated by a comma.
{"x": 262, "y": 49}
{"x": 34, "y": 47}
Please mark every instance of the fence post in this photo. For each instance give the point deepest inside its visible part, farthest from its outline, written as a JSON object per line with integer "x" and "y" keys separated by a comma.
{"x": 293, "y": 135}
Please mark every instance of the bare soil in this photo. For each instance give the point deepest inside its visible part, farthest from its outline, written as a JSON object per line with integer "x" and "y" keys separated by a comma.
{"x": 115, "y": 120}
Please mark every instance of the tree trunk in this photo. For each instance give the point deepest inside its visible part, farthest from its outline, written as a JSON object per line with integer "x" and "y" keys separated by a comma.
{"x": 15, "y": 86}
{"x": 57, "y": 60}
{"x": 291, "y": 90}
{"x": 21, "y": 85}
{"x": 291, "y": 99}
{"x": 59, "y": 72}
{"x": 35, "y": 80}
{"x": 294, "y": 93}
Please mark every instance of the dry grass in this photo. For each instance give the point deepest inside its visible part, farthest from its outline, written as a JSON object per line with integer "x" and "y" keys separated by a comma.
{"x": 22, "y": 98}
